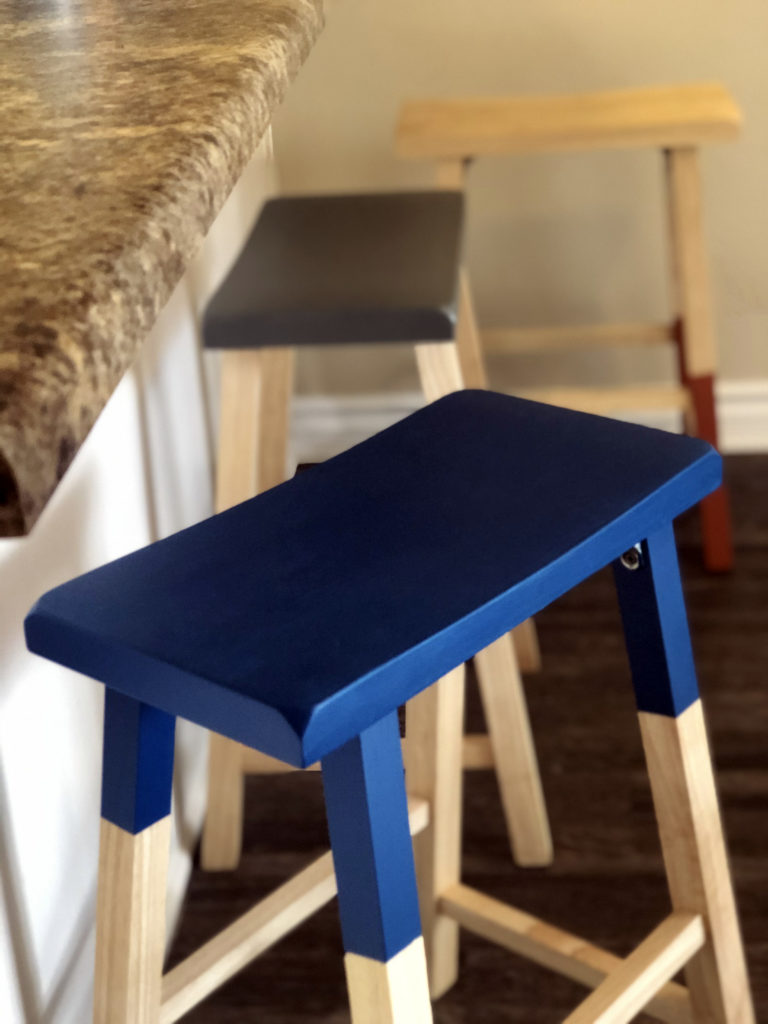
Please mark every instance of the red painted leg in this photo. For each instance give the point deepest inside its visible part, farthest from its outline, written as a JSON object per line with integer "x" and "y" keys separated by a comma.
{"x": 715, "y": 508}
{"x": 696, "y": 332}
{"x": 716, "y": 532}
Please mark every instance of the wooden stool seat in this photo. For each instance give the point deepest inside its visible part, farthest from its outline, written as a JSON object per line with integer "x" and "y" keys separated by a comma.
{"x": 662, "y": 117}
{"x": 321, "y": 270}
{"x": 300, "y": 620}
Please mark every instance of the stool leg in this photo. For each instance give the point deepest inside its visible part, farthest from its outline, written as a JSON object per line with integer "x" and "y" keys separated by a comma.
{"x": 470, "y": 353}
{"x": 715, "y": 509}
{"x": 222, "y": 838}
{"x": 433, "y": 771}
{"x": 373, "y": 859}
{"x": 439, "y": 369}
{"x": 468, "y": 338}
{"x": 253, "y": 430}
{"x": 471, "y": 374}
{"x": 682, "y": 781}
{"x": 133, "y": 862}
{"x": 514, "y": 753}
{"x": 526, "y": 641}
{"x": 696, "y": 336}
{"x": 442, "y": 368}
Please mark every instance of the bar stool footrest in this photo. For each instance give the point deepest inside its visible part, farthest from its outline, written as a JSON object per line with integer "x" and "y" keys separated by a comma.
{"x": 604, "y": 401}
{"x": 628, "y": 989}
{"x": 272, "y": 918}
{"x": 643, "y": 976}
{"x": 582, "y": 336}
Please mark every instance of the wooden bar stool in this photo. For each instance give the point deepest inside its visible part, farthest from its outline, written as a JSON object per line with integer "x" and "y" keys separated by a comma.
{"x": 676, "y": 120}
{"x": 355, "y": 269}
{"x": 299, "y": 621}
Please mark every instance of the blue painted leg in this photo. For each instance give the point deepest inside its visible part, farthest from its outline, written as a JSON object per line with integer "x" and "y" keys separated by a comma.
{"x": 133, "y": 861}
{"x": 680, "y": 771}
{"x": 373, "y": 857}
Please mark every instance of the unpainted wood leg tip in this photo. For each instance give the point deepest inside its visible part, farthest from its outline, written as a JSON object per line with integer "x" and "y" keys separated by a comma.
{"x": 718, "y": 563}
{"x": 542, "y": 858}
{"x": 212, "y": 862}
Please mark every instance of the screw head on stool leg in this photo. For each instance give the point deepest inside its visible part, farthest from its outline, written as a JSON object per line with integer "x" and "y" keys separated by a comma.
{"x": 633, "y": 558}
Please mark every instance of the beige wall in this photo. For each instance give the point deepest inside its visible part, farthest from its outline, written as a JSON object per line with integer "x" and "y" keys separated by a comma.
{"x": 558, "y": 238}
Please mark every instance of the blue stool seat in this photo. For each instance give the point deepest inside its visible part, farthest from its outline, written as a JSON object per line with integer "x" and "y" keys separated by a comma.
{"x": 300, "y": 620}
{"x": 297, "y": 619}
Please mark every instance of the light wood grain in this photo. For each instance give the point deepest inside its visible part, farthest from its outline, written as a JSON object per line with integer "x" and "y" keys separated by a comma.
{"x": 130, "y": 923}
{"x": 274, "y": 414}
{"x": 468, "y": 337}
{"x": 451, "y": 175}
{"x": 633, "y": 984}
{"x": 439, "y": 369}
{"x": 526, "y": 643}
{"x": 582, "y": 336}
{"x": 514, "y": 753}
{"x": 685, "y": 799}
{"x": 238, "y": 427}
{"x": 662, "y": 116}
{"x": 223, "y": 827}
{"x": 690, "y": 265}
{"x": 248, "y": 937}
{"x": 606, "y": 401}
{"x": 236, "y": 481}
{"x": 253, "y": 436}
{"x": 445, "y": 367}
{"x": 255, "y": 931}
{"x": 478, "y": 752}
{"x": 392, "y": 993}
{"x": 551, "y": 947}
{"x": 433, "y": 771}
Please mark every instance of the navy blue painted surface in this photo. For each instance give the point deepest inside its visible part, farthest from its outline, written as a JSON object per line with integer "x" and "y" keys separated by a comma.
{"x": 137, "y": 763}
{"x": 296, "y": 620}
{"x": 371, "y": 842}
{"x": 656, "y": 628}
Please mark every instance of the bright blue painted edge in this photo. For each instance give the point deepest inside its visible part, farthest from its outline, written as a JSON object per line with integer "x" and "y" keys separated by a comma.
{"x": 168, "y": 688}
{"x": 656, "y": 628}
{"x": 371, "y": 841}
{"x": 137, "y": 763}
{"x": 398, "y": 680}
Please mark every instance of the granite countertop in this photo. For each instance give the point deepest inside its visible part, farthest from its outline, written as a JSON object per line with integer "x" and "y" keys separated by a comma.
{"x": 124, "y": 126}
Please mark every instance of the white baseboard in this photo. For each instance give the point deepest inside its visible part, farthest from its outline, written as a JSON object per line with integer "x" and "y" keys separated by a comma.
{"x": 742, "y": 409}
{"x": 324, "y": 425}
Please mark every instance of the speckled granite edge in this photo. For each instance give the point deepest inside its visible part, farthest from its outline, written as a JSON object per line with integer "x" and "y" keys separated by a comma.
{"x": 67, "y": 356}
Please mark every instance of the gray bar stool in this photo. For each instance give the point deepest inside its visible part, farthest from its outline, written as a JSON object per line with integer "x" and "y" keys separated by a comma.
{"x": 356, "y": 269}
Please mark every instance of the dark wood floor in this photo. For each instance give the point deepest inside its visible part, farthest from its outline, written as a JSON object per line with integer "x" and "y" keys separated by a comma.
{"x": 606, "y": 882}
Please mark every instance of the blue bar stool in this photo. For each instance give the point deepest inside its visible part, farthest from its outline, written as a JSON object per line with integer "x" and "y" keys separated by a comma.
{"x": 359, "y": 269}
{"x": 298, "y": 622}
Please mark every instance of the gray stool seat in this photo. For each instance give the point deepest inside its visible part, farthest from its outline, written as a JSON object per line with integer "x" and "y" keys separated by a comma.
{"x": 343, "y": 268}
